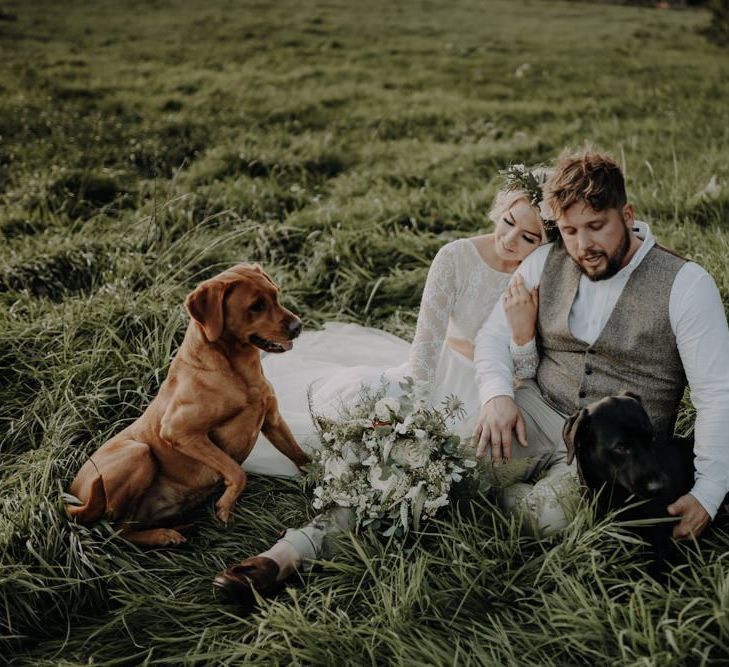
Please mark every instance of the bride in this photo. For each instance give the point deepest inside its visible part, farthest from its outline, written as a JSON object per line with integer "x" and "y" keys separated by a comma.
{"x": 329, "y": 367}
{"x": 464, "y": 281}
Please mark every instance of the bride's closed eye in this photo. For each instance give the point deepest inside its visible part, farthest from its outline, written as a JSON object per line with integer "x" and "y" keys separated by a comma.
{"x": 526, "y": 237}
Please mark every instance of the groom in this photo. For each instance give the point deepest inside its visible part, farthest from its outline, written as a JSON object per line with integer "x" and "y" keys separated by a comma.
{"x": 616, "y": 311}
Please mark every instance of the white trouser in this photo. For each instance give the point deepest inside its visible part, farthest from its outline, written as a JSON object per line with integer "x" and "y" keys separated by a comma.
{"x": 315, "y": 539}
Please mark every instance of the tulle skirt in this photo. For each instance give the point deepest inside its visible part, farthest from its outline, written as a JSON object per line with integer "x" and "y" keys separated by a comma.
{"x": 329, "y": 368}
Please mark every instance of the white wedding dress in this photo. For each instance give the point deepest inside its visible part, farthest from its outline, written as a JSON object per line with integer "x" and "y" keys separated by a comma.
{"x": 459, "y": 294}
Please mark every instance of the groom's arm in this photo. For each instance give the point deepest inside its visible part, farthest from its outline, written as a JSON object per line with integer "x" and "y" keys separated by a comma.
{"x": 491, "y": 347}
{"x": 492, "y": 358}
{"x": 702, "y": 336}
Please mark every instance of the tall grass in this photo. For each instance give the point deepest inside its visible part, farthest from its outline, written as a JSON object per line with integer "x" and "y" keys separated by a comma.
{"x": 147, "y": 145}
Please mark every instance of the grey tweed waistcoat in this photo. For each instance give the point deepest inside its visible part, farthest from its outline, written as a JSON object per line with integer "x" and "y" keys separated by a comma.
{"x": 636, "y": 349}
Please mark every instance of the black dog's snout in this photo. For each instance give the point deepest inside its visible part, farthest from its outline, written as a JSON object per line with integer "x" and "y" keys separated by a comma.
{"x": 295, "y": 327}
{"x": 653, "y": 485}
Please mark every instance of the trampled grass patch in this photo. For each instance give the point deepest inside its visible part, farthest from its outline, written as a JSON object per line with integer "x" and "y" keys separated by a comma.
{"x": 144, "y": 146}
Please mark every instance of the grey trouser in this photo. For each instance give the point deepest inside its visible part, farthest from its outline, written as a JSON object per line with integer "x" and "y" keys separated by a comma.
{"x": 538, "y": 492}
{"x": 542, "y": 495}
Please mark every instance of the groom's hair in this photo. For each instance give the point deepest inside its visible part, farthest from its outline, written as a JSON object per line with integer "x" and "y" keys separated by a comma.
{"x": 592, "y": 178}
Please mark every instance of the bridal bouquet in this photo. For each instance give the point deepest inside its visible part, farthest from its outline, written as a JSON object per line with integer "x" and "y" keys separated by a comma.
{"x": 392, "y": 460}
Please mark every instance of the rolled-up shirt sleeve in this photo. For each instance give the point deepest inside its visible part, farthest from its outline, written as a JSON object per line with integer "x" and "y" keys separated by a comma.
{"x": 702, "y": 336}
{"x": 491, "y": 354}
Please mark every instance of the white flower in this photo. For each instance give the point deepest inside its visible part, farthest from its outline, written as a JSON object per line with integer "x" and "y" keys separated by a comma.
{"x": 378, "y": 483}
{"x": 335, "y": 467}
{"x": 370, "y": 461}
{"x": 403, "y": 426}
{"x": 386, "y": 407}
{"x": 411, "y": 454}
{"x": 349, "y": 453}
{"x": 441, "y": 501}
{"x": 369, "y": 442}
{"x": 375, "y": 479}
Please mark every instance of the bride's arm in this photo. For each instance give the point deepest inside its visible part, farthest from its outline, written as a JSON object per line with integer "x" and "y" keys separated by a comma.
{"x": 439, "y": 295}
{"x": 521, "y": 306}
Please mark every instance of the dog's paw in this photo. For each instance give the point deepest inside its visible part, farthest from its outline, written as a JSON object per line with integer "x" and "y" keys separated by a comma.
{"x": 302, "y": 461}
{"x": 223, "y": 514}
{"x": 169, "y": 536}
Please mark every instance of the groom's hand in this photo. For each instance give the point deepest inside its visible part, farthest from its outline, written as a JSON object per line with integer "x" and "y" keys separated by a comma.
{"x": 694, "y": 518}
{"x": 498, "y": 419}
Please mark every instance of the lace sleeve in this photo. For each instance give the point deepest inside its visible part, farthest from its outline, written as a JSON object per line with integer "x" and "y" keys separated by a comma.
{"x": 525, "y": 358}
{"x": 439, "y": 296}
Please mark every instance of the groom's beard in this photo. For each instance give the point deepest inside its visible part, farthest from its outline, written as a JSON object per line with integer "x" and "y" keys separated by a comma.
{"x": 613, "y": 264}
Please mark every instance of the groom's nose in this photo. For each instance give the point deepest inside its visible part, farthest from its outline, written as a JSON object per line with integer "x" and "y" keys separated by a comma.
{"x": 584, "y": 242}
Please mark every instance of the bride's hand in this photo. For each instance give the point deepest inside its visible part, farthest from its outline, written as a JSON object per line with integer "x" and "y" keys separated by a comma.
{"x": 520, "y": 306}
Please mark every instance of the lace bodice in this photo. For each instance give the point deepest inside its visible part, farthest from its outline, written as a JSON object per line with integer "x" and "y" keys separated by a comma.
{"x": 460, "y": 292}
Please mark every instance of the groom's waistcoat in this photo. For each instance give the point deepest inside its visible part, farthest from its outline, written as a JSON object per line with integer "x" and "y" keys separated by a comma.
{"x": 636, "y": 349}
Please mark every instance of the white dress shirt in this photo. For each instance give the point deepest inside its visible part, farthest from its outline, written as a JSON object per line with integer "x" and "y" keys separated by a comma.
{"x": 699, "y": 323}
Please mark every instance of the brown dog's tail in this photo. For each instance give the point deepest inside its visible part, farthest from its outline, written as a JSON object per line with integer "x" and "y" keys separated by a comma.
{"x": 95, "y": 506}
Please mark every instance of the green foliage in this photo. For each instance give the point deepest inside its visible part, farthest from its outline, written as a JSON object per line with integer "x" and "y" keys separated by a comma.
{"x": 144, "y": 146}
{"x": 718, "y": 29}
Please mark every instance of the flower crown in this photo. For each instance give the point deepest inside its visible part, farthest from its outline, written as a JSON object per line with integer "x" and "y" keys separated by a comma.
{"x": 530, "y": 181}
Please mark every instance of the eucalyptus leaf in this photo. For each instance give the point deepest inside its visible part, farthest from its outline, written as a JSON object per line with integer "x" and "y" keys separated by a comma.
{"x": 417, "y": 506}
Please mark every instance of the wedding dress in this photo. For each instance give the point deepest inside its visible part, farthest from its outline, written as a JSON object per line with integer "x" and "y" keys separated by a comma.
{"x": 330, "y": 366}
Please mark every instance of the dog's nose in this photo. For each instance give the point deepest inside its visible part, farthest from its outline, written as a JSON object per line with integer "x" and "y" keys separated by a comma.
{"x": 295, "y": 328}
{"x": 655, "y": 485}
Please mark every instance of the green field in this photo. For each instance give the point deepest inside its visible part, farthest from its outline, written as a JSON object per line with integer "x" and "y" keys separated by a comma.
{"x": 145, "y": 145}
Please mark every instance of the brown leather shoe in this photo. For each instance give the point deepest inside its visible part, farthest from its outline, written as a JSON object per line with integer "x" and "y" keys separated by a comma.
{"x": 239, "y": 581}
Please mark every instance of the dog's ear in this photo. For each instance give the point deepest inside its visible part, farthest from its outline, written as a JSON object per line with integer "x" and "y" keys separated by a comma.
{"x": 631, "y": 394}
{"x": 575, "y": 428}
{"x": 258, "y": 268}
{"x": 205, "y": 305}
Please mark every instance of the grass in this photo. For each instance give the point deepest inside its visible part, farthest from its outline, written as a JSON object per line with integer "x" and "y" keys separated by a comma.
{"x": 146, "y": 145}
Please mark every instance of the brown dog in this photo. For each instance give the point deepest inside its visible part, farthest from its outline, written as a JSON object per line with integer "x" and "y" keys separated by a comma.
{"x": 205, "y": 419}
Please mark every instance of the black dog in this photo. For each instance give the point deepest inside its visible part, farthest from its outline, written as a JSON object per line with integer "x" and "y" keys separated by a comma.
{"x": 620, "y": 462}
